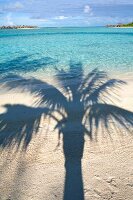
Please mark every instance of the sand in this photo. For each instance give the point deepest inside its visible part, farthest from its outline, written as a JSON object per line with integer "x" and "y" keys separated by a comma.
{"x": 39, "y": 173}
{"x": 121, "y": 27}
{"x": 28, "y": 28}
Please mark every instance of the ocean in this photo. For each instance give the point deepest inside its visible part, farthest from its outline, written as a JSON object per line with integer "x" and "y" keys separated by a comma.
{"x": 41, "y": 51}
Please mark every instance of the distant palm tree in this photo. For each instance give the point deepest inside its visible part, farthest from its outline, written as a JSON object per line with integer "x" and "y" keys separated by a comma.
{"x": 83, "y": 102}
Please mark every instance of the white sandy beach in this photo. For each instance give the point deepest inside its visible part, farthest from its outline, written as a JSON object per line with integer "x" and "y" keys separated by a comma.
{"x": 120, "y": 27}
{"x": 39, "y": 173}
{"x": 27, "y": 28}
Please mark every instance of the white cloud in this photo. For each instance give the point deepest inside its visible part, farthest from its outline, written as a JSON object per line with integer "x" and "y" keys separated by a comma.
{"x": 113, "y": 2}
{"x": 9, "y": 20}
{"x": 13, "y": 6}
{"x": 42, "y": 20}
{"x": 88, "y": 10}
{"x": 31, "y": 1}
{"x": 97, "y": 20}
{"x": 60, "y": 17}
{"x": 39, "y": 19}
{"x": 18, "y": 5}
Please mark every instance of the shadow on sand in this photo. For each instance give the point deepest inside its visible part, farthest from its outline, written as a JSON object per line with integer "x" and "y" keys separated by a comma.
{"x": 84, "y": 105}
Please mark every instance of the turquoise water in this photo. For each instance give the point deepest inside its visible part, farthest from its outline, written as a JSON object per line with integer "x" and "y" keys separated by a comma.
{"x": 42, "y": 50}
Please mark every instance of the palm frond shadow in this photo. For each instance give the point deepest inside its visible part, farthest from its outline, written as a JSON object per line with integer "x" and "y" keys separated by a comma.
{"x": 85, "y": 103}
{"x": 18, "y": 125}
{"x": 24, "y": 63}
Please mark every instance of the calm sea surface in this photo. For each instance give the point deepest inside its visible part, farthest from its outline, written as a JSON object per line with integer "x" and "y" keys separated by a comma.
{"x": 43, "y": 50}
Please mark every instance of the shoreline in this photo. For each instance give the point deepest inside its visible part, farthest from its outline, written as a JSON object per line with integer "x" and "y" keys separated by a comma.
{"x": 52, "y": 81}
{"x": 18, "y": 28}
{"x": 119, "y": 27}
{"x": 50, "y": 76}
{"x": 28, "y": 28}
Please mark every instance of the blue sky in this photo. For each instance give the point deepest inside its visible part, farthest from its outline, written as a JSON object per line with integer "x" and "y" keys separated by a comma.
{"x": 65, "y": 12}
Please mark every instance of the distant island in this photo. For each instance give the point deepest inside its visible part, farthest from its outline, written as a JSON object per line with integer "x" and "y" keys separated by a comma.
{"x": 18, "y": 27}
{"x": 121, "y": 25}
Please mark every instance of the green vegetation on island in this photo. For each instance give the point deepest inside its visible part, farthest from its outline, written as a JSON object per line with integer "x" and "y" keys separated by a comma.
{"x": 121, "y": 25}
{"x": 18, "y": 27}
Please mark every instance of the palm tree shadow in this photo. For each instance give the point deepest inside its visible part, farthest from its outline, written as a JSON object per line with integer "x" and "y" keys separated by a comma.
{"x": 18, "y": 125}
{"x": 86, "y": 101}
{"x": 24, "y": 63}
